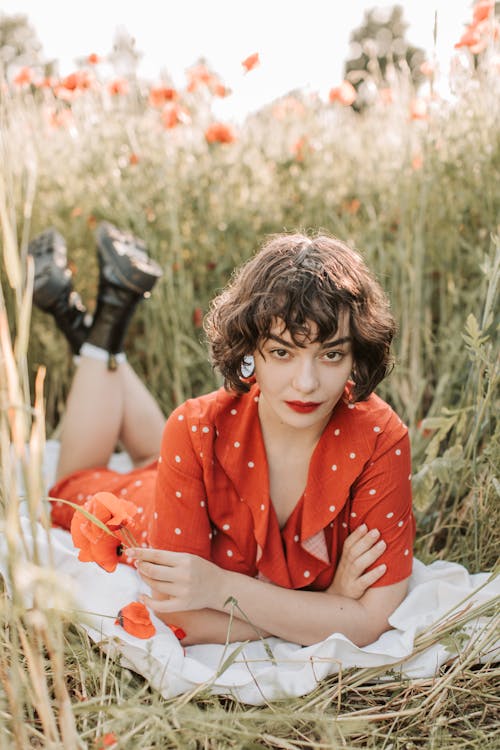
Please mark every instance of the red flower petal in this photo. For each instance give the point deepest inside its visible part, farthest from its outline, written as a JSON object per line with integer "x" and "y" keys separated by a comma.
{"x": 135, "y": 619}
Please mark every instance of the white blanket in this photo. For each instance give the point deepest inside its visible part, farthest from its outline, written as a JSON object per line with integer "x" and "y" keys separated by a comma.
{"x": 253, "y": 676}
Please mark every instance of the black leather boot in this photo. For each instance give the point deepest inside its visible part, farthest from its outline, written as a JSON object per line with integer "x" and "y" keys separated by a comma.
{"x": 126, "y": 275}
{"x": 53, "y": 287}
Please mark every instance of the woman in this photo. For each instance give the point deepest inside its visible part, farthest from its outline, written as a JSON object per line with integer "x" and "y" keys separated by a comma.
{"x": 284, "y": 496}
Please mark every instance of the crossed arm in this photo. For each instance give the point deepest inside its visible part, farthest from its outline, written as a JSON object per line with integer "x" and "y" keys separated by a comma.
{"x": 192, "y": 593}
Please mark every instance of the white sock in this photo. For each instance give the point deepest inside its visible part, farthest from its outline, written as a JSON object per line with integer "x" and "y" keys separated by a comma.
{"x": 95, "y": 352}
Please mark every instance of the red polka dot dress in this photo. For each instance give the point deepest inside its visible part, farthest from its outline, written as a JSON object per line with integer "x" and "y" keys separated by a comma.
{"x": 208, "y": 494}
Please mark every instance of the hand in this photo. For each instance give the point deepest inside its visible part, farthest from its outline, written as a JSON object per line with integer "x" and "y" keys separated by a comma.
{"x": 360, "y": 550}
{"x": 179, "y": 581}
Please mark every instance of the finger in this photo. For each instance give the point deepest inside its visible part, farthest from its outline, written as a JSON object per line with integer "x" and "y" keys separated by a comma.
{"x": 358, "y": 533}
{"x": 163, "y": 605}
{"x": 368, "y": 579}
{"x": 369, "y": 557}
{"x": 158, "y": 572}
{"x": 364, "y": 543}
{"x": 163, "y": 588}
{"x": 159, "y": 556}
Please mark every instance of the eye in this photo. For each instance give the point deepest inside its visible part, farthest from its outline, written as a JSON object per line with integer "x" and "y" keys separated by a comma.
{"x": 333, "y": 356}
{"x": 280, "y": 353}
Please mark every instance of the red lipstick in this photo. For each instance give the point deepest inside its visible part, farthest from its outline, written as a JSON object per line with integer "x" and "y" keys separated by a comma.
{"x": 303, "y": 407}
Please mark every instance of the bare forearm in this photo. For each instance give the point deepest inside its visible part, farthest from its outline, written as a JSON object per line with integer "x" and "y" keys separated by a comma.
{"x": 304, "y": 617}
{"x": 211, "y": 626}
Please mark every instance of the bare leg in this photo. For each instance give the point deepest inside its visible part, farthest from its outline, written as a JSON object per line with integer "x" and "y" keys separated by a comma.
{"x": 143, "y": 421}
{"x": 104, "y": 407}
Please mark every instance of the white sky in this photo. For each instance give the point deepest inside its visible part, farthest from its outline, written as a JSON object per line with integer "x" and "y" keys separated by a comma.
{"x": 301, "y": 43}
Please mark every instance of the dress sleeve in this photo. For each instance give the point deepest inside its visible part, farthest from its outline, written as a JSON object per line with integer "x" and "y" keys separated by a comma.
{"x": 180, "y": 519}
{"x": 382, "y": 499}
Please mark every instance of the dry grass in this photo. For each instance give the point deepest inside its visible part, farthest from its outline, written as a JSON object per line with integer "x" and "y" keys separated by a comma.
{"x": 430, "y": 234}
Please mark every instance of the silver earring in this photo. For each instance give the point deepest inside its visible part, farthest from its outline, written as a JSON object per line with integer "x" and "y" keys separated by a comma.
{"x": 247, "y": 366}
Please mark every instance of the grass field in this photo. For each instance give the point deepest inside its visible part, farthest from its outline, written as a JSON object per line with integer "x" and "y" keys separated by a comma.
{"x": 416, "y": 190}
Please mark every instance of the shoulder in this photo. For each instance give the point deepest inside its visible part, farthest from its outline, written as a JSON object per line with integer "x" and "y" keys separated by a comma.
{"x": 371, "y": 425}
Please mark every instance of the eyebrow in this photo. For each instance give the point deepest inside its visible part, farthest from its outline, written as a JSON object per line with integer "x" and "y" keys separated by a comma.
{"x": 324, "y": 345}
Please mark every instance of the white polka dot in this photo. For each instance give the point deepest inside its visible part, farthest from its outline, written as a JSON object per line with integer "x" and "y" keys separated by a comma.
{"x": 307, "y": 574}
{"x": 210, "y": 535}
{"x": 97, "y": 474}
{"x": 331, "y": 525}
{"x": 194, "y": 428}
{"x": 205, "y": 429}
{"x": 124, "y": 491}
{"x": 234, "y": 411}
{"x": 296, "y": 538}
{"x": 202, "y": 503}
{"x": 160, "y": 460}
{"x": 409, "y": 477}
{"x": 400, "y": 523}
{"x": 138, "y": 483}
{"x": 407, "y": 552}
{"x": 372, "y": 492}
{"x": 331, "y": 508}
{"x": 236, "y": 444}
{"x": 155, "y": 515}
{"x": 144, "y": 534}
{"x": 89, "y": 497}
{"x": 178, "y": 494}
{"x": 256, "y": 399}
{"x": 143, "y": 544}
{"x": 201, "y": 454}
{"x": 334, "y": 467}
{"x": 336, "y": 432}
{"x": 178, "y": 459}
{"x": 140, "y": 509}
{"x": 397, "y": 451}
{"x": 226, "y": 527}
{"x": 351, "y": 406}
{"x": 180, "y": 417}
{"x": 251, "y": 464}
{"x": 229, "y": 553}
{"x": 79, "y": 496}
{"x": 376, "y": 429}
{"x": 353, "y": 515}
{"x": 352, "y": 455}
{"x": 59, "y": 504}
{"x": 178, "y": 531}
{"x": 390, "y": 515}
{"x": 262, "y": 507}
{"x": 344, "y": 525}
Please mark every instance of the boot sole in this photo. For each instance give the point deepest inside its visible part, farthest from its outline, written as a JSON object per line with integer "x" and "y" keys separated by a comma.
{"x": 131, "y": 269}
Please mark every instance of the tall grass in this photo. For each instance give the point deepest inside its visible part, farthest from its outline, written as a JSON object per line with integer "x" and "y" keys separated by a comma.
{"x": 420, "y": 199}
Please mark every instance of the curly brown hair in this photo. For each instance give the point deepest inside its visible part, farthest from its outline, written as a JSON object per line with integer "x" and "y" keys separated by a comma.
{"x": 301, "y": 280}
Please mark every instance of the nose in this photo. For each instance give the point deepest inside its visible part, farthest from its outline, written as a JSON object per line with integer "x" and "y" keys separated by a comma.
{"x": 305, "y": 379}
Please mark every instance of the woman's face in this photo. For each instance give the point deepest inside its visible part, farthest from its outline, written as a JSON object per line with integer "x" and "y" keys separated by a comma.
{"x": 300, "y": 385}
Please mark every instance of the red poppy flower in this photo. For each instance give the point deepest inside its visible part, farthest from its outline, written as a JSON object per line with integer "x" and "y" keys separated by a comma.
{"x": 251, "y": 62}
{"x": 199, "y": 75}
{"x": 219, "y": 133}
{"x": 173, "y": 114}
{"x": 107, "y": 740}
{"x": 345, "y": 94}
{"x": 24, "y": 77}
{"x": 159, "y": 95}
{"x": 79, "y": 80}
{"x": 483, "y": 10}
{"x": 118, "y": 87}
{"x": 133, "y": 159}
{"x": 219, "y": 89}
{"x": 135, "y": 619}
{"x": 96, "y": 544}
{"x": 197, "y": 317}
{"x": 93, "y": 59}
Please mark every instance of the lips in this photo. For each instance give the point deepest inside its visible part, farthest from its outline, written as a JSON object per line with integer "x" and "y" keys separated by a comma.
{"x": 303, "y": 407}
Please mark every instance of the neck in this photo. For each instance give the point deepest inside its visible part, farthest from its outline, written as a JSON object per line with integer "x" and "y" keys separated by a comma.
{"x": 273, "y": 429}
